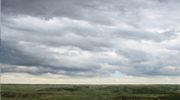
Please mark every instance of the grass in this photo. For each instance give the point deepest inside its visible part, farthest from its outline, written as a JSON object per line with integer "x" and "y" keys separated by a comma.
{"x": 89, "y": 92}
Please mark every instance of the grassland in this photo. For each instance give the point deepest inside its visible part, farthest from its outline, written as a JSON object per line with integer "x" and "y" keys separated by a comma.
{"x": 89, "y": 92}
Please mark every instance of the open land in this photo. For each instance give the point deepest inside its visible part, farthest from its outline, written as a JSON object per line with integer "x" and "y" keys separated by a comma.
{"x": 89, "y": 92}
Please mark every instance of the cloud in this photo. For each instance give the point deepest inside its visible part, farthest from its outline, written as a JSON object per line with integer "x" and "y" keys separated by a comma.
{"x": 80, "y": 38}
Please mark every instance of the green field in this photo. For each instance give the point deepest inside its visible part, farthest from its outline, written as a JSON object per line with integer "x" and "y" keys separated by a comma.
{"x": 89, "y": 92}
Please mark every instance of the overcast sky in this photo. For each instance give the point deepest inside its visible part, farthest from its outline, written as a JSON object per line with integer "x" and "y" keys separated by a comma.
{"x": 90, "y": 41}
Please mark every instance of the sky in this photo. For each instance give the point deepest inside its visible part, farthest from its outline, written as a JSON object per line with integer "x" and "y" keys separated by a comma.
{"x": 90, "y": 41}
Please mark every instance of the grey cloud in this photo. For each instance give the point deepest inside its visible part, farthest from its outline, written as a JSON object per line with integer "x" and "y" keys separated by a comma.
{"x": 75, "y": 9}
{"x": 140, "y": 35}
{"x": 134, "y": 56}
{"x": 145, "y": 65}
{"x": 12, "y": 54}
{"x": 99, "y": 12}
{"x": 33, "y": 42}
{"x": 56, "y": 40}
{"x": 43, "y": 62}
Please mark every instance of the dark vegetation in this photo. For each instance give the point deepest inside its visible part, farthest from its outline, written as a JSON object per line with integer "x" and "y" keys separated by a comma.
{"x": 89, "y": 92}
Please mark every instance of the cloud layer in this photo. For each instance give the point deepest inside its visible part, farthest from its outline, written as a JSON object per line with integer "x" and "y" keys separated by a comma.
{"x": 81, "y": 38}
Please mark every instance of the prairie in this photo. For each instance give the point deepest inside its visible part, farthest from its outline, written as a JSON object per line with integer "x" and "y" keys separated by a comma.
{"x": 89, "y": 92}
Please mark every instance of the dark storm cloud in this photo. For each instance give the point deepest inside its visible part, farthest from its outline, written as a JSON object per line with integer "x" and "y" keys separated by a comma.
{"x": 91, "y": 38}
